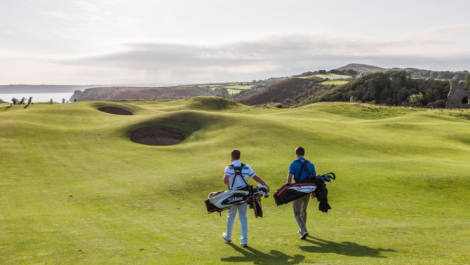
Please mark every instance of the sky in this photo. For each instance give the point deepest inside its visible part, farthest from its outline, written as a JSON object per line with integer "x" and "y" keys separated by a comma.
{"x": 189, "y": 41}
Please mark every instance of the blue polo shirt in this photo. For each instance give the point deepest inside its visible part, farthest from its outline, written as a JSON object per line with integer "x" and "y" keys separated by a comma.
{"x": 295, "y": 168}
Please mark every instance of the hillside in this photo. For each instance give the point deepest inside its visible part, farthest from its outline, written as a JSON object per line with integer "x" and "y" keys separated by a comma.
{"x": 75, "y": 189}
{"x": 390, "y": 88}
{"x": 287, "y": 92}
{"x": 362, "y": 68}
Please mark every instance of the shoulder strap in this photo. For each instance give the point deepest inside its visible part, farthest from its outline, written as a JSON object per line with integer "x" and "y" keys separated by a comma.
{"x": 303, "y": 166}
{"x": 238, "y": 172}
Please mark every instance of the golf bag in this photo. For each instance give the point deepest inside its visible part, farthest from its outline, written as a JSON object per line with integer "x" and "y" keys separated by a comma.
{"x": 223, "y": 200}
{"x": 290, "y": 192}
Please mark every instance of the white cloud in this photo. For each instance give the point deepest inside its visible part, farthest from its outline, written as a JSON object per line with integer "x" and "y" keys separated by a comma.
{"x": 88, "y": 23}
{"x": 449, "y": 29}
{"x": 273, "y": 56}
{"x": 88, "y": 7}
{"x": 110, "y": 41}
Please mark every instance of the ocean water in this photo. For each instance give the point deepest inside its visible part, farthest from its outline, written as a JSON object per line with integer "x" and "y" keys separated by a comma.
{"x": 38, "y": 97}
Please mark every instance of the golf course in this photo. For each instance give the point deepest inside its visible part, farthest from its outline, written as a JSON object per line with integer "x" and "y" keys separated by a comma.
{"x": 76, "y": 189}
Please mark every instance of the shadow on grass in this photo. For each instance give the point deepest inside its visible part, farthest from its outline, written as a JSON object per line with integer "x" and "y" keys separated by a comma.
{"x": 258, "y": 257}
{"x": 7, "y": 108}
{"x": 343, "y": 248}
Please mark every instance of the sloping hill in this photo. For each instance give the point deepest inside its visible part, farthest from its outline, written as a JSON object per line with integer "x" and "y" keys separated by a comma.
{"x": 362, "y": 68}
{"x": 288, "y": 92}
{"x": 390, "y": 88}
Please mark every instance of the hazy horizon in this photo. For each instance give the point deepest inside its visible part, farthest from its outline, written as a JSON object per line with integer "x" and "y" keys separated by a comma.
{"x": 132, "y": 42}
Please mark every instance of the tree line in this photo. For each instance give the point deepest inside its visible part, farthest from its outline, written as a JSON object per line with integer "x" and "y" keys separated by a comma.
{"x": 390, "y": 88}
{"x": 420, "y": 73}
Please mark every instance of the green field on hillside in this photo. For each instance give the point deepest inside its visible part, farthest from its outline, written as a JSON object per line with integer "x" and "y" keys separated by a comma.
{"x": 74, "y": 189}
{"x": 233, "y": 88}
{"x": 240, "y": 87}
{"x": 334, "y": 82}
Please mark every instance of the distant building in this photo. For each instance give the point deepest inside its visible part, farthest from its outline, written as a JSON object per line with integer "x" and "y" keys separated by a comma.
{"x": 458, "y": 97}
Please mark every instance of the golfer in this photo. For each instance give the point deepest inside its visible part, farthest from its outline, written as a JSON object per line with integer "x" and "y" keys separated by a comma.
{"x": 235, "y": 182}
{"x": 299, "y": 170}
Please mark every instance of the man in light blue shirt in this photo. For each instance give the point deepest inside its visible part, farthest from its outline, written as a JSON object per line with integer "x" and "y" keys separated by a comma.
{"x": 299, "y": 170}
{"x": 235, "y": 182}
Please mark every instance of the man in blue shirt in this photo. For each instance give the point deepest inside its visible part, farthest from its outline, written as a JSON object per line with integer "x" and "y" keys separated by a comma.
{"x": 299, "y": 170}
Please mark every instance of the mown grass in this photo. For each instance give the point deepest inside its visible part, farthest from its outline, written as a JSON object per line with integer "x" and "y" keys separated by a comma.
{"x": 75, "y": 190}
{"x": 334, "y": 82}
{"x": 239, "y": 87}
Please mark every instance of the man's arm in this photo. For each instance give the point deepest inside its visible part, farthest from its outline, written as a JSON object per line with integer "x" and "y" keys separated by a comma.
{"x": 260, "y": 181}
{"x": 289, "y": 178}
{"x": 227, "y": 179}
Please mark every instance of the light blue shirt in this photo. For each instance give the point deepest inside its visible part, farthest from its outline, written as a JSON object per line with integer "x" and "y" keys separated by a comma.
{"x": 246, "y": 172}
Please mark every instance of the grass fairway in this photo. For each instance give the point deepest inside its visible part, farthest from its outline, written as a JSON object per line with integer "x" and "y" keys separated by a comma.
{"x": 75, "y": 190}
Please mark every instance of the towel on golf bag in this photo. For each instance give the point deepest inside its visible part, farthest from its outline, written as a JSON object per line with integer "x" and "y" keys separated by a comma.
{"x": 256, "y": 206}
{"x": 313, "y": 184}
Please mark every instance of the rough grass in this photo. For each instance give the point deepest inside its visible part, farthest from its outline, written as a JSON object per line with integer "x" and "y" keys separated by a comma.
{"x": 75, "y": 190}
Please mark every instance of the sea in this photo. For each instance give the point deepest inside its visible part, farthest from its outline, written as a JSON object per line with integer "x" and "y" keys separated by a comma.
{"x": 38, "y": 97}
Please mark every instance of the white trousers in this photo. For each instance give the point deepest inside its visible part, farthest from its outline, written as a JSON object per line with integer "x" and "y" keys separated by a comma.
{"x": 232, "y": 213}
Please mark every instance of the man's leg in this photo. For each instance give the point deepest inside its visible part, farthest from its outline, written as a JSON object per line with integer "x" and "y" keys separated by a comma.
{"x": 297, "y": 206}
{"x": 303, "y": 211}
{"x": 243, "y": 223}
{"x": 232, "y": 213}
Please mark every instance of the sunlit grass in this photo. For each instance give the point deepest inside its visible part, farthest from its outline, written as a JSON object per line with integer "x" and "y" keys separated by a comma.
{"x": 75, "y": 190}
{"x": 334, "y": 82}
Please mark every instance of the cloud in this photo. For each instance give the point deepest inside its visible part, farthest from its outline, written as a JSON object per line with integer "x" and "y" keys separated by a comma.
{"x": 460, "y": 28}
{"x": 274, "y": 53}
{"x": 282, "y": 55}
{"x": 88, "y": 7}
{"x": 89, "y": 23}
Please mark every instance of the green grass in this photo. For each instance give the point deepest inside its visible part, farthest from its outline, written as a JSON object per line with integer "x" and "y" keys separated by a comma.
{"x": 334, "y": 82}
{"x": 75, "y": 190}
{"x": 233, "y": 91}
{"x": 239, "y": 87}
{"x": 233, "y": 88}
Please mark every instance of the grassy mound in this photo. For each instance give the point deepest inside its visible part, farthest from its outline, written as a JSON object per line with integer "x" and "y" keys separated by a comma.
{"x": 212, "y": 103}
{"x": 74, "y": 189}
{"x": 367, "y": 111}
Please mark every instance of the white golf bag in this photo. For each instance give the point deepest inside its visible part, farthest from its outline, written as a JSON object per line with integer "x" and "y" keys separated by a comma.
{"x": 223, "y": 200}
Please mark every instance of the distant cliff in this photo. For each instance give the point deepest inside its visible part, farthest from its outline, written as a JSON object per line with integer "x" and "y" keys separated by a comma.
{"x": 139, "y": 93}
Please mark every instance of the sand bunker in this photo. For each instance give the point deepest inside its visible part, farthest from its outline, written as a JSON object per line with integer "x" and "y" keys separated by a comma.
{"x": 157, "y": 136}
{"x": 115, "y": 110}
